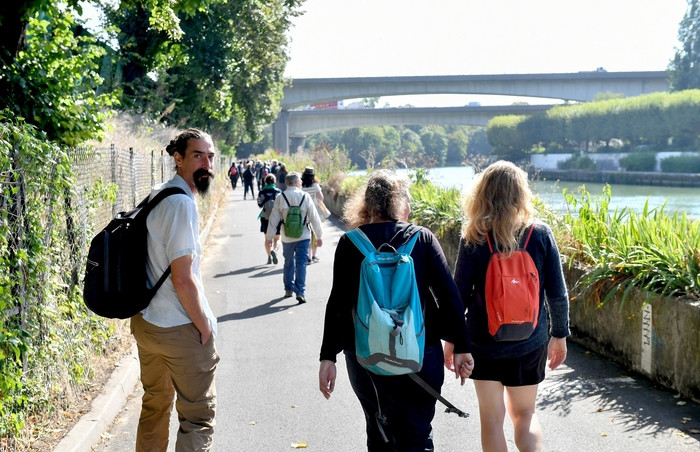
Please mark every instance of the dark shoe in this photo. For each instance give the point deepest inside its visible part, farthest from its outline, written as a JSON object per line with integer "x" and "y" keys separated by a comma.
{"x": 309, "y": 262}
{"x": 301, "y": 299}
{"x": 288, "y": 293}
{"x": 315, "y": 259}
{"x": 269, "y": 260}
{"x": 274, "y": 257}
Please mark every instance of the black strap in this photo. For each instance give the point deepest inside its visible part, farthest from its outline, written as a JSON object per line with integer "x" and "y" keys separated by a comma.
{"x": 148, "y": 205}
{"x": 450, "y": 408}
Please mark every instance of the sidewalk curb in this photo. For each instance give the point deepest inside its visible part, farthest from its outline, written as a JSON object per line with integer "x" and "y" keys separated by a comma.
{"x": 105, "y": 408}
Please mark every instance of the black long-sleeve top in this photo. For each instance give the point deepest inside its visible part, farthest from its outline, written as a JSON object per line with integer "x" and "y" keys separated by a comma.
{"x": 470, "y": 275}
{"x": 443, "y": 307}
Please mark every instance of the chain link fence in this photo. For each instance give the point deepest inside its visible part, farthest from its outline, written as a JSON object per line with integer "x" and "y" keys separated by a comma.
{"x": 110, "y": 180}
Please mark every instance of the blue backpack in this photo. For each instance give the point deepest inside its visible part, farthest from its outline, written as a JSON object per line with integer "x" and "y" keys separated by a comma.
{"x": 389, "y": 324}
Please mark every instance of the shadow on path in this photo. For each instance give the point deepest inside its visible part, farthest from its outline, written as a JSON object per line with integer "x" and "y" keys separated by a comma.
{"x": 259, "y": 311}
{"x": 606, "y": 388}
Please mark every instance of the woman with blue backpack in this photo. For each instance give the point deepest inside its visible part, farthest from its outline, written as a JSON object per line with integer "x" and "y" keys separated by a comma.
{"x": 398, "y": 413}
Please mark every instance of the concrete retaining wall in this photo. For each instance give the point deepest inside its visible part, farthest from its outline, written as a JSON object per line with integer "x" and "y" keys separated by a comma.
{"x": 613, "y": 177}
{"x": 659, "y": 339}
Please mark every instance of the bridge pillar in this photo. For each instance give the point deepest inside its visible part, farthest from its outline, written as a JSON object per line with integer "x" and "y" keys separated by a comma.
{"x": 280, "y": 132}
{"x": 296, "y": 144}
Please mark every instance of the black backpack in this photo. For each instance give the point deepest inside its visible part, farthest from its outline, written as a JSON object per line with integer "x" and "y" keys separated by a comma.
{"x": 116, "y": 282}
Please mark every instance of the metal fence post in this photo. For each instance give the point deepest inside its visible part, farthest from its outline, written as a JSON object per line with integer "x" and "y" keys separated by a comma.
{"x": 132, "y": 168}
{"x": 114, "y": 174}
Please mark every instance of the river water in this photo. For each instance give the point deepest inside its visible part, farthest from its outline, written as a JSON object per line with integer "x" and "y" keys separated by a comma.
{"x": 634, "y": 196}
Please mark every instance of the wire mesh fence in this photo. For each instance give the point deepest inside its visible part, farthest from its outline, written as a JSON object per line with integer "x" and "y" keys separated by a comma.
{"x": 107, "y": 181}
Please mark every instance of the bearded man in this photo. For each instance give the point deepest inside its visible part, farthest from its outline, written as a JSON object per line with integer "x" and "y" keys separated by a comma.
{"x": 175, "y": 333}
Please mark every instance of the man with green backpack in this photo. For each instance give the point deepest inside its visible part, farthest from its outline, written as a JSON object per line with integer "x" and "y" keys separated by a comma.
{"x": 297, "y": 213}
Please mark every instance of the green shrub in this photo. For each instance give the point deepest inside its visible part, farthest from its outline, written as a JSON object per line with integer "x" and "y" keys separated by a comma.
{"x": 577, "y": 162}
{"x": 642, "y": 161}
{"x": 681, "y": 164}
{"x": 651, "y": 250}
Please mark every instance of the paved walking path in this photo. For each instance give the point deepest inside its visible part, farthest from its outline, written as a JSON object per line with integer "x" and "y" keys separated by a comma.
{"x": 268, "y": 398}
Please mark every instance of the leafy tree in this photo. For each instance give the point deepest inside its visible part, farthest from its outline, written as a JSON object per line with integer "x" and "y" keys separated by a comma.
{"x": 434, "y": 142}
{"x": 52, "y": 79}
{"x": 684, "y": 69}
{"x": 223, "y": 69}
{"x": 457, "y": 143}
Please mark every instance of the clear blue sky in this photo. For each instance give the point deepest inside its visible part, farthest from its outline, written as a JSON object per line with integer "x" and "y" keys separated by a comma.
{"x": 354, "y": 38}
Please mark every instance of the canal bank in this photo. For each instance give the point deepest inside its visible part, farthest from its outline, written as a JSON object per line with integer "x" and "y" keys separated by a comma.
{"x": 619, "y": 177}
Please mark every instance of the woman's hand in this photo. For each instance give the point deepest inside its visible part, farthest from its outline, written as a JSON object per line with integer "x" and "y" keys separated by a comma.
{"x": 326, "y": 378}
{"x": 448, "y": 350}
{"x": 556, "y": 352}
{"x": 463, "y": 364}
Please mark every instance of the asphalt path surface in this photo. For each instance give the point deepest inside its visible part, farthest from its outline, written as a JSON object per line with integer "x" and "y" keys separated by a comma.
{"x": 267, "y": 379}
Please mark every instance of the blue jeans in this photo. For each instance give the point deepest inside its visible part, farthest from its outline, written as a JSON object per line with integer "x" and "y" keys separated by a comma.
{"x": 296, "y": 254}
{"x": 407, "y": 408}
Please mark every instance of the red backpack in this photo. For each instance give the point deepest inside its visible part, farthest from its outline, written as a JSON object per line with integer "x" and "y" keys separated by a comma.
{"x": 512, "y": 293}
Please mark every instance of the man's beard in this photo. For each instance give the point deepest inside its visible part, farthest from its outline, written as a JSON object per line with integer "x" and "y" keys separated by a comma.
{"x": 201, "y": 181}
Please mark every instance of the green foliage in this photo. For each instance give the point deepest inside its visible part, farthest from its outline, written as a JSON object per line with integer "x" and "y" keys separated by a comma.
{"x": 502, "y": 132}
{"x": 435, "y": 207}
{"x": 684, "y": 69}
{"x": 53, "y": 81}
{"x": 222, "y": 70}
{"x": 652, "y": 119}
{"x": 577, "y": 162}
{"x": 651, "y": 250}
{"x": 434, "y": 145}
{"x": 642, "y": 161}
{"x": 403, "y": 146}
{"x": 45, "y": 331}
{"x": 681, "y": 164}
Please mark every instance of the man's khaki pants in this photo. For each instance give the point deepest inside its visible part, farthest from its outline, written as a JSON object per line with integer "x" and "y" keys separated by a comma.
{"x": 173, "y": 360}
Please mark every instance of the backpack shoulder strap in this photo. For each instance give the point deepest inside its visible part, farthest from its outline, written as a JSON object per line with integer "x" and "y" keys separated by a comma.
{"x": 148, "y": 204}
{"x": 286, "y": 200}
{"x": 407, "y": 247}
{"x": 361, "y": 241}
{"x": 488, "y": 240}
{"x": 529, "y": 234}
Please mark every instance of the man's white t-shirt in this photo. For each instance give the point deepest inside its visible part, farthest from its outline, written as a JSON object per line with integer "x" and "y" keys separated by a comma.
{"x": 173, "y": 232}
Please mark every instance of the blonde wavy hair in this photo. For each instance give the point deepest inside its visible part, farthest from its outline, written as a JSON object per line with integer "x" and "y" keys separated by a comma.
{"x": 384, "y": 197}
{"x": 500, "y": 201}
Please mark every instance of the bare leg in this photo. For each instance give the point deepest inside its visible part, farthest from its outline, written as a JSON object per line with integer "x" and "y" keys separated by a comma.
{"x": 521, "y": 408}
{"x": 267, "y": 247}
{"x": 492, "y": 413}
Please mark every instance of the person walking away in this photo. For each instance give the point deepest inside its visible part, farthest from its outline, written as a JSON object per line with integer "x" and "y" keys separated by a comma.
{"x": 499, "y": 204}
{"x": 281, "y": 177}
{"x": 381, "y": 211}
{"x": 310, "y": 185}
{"x": 248, "y": 178}
{"x": 266, "y": 201}
{"x": 262, "y": 173}
{"x": 175, "y": 334}
{"x": 295, "y": 249}
{"x": 233, "y": 175}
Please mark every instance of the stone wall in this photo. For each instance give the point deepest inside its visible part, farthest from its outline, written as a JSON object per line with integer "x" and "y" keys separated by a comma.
{"x": 615, "y": 177}
{"x": 657, "y": 337}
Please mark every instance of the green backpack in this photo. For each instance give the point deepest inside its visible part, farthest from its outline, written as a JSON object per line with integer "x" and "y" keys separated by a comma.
{"x": 294, "y": 223}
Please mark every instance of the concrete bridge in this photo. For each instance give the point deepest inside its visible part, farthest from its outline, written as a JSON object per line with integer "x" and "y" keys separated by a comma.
{"x": 578, "y": 87}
